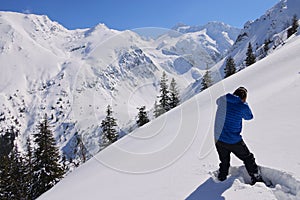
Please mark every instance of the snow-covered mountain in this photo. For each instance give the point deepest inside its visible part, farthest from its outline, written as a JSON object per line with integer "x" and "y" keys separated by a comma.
{"x": 173, "y": 156}
{"x": 72, "y": 75}
{"x": 270, "y": 29}
{"x": 199, "y": 46}
{"x": 216, "y": 36}
{"x": 194, "y": 48}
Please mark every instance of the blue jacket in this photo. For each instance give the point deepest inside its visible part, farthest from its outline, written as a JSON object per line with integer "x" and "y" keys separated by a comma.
{"x": 230, "y": 113}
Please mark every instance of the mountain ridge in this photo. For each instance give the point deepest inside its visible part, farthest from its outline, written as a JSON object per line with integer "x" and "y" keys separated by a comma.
{"x": 173, "y": 156}
{"x": 73, "y": 74}
{"x": 271, "y": 29}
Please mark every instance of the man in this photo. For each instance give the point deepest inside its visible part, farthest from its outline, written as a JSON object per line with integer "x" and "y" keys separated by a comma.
{"x": 232, "y": 109}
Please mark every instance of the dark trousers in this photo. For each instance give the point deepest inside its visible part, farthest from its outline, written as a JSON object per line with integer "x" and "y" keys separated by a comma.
{"x": 241, "y": 151}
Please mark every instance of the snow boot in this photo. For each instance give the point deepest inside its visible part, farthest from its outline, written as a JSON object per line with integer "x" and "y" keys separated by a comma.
{"x": 222, "y": 177}
{"x": 256, "y": 178}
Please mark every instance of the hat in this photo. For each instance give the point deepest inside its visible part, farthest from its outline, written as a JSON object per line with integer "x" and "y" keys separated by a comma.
{"x": 241, "y": 92}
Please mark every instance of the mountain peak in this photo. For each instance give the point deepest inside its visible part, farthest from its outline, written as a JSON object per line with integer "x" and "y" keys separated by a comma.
{"x": 184, "y": 28}
{"x": 179, "y": 25}
{"x": 271, "y": 26}
{"x": 101, "y": 26}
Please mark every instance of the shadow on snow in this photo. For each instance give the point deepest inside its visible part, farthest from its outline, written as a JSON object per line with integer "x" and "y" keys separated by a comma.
{"x": 211, "y": 190}
{"x": 283, "y": 184}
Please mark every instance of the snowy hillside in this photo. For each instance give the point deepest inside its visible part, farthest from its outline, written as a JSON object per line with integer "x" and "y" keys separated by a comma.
{"x": 270, "y": 29}
{"x": 173, "y": 156}
{"x": 72, "y": 75}
{"x": 271, "y": 26}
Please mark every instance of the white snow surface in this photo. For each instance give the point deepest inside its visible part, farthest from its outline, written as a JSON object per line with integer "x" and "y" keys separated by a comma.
{"x": 72, "y": 75}
{"x": 271, "y": 26}
{"x": 174, "y": 156}
{"x": 38, "y": 54}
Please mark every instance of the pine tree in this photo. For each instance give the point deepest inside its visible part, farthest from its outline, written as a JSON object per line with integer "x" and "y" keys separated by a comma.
{"x": 229, "y": 67}
{"x": 174, "y": 94}
{"x": 157, "y": 110}
{"x": 12, "y": 180}
{"x": 28, "y": 169}
{"x": 7, "y": 141}
{"x": 250, "y": 57}
{"x": 266, "y": 46}
{"x": 108, "y": 125}
{"x": 295, "y": 23}
{"x": 11, "y": 170}
{"x": 294, "y": 27}
{"x": 5, "y": 190}
{"x": 16, "y": 182}
{"x": 206, "y": 80}
{"x": 142, "y": 116}
{"x": 164, "y": 94}
{"x": 47, "y": 170}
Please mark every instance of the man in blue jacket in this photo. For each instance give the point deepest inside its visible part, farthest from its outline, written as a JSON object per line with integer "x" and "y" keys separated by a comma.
{"x": 232, "y": 109}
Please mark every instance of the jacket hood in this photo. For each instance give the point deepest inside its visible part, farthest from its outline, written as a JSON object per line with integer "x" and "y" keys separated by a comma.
{"x": 229, "y": 98}
{"x": 233, "y": 99}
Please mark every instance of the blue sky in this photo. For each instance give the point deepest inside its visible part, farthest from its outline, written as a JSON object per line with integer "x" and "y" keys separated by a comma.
{"x": 131, "y": 14}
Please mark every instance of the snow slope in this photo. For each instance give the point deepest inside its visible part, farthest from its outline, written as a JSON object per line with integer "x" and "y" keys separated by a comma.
{"x": 271, "y": 26}
{"x": 173, "y": 156}
{"x": 74, "y": 74}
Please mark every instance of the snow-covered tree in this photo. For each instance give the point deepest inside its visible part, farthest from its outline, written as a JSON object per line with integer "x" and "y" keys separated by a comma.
{"x": 47, "y": 169}
{"x": 142, "y": 117}
{"x": 12, "y": 184}
{"x": 157, "y": 110}
{"x": 250, "y": 57}
{"x": 206, "y": 80}
{"x": 294, "y": 27}
{"x": 266, "y": 46}
{"x": 28, "y": 169}
{"x": 5, "y": 191}
{"x": 109, "y": 132}
{"x": 7, "y": 139}
{"x": 229, "y": 67}
{"x": 16, "y": 175}
{"x": 164, "y": 94}
{"x": 174, "y": 94}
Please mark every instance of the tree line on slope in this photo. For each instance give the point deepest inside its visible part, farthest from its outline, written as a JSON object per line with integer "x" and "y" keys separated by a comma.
{"x": 168, "y": 99}
{"x": 230, "y": 66}
{"x": 29, "y": 174}
{"x": 39, "y": 167}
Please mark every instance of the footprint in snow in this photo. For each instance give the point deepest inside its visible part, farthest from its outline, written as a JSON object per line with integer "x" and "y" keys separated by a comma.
{"x": 283, "y": 184}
